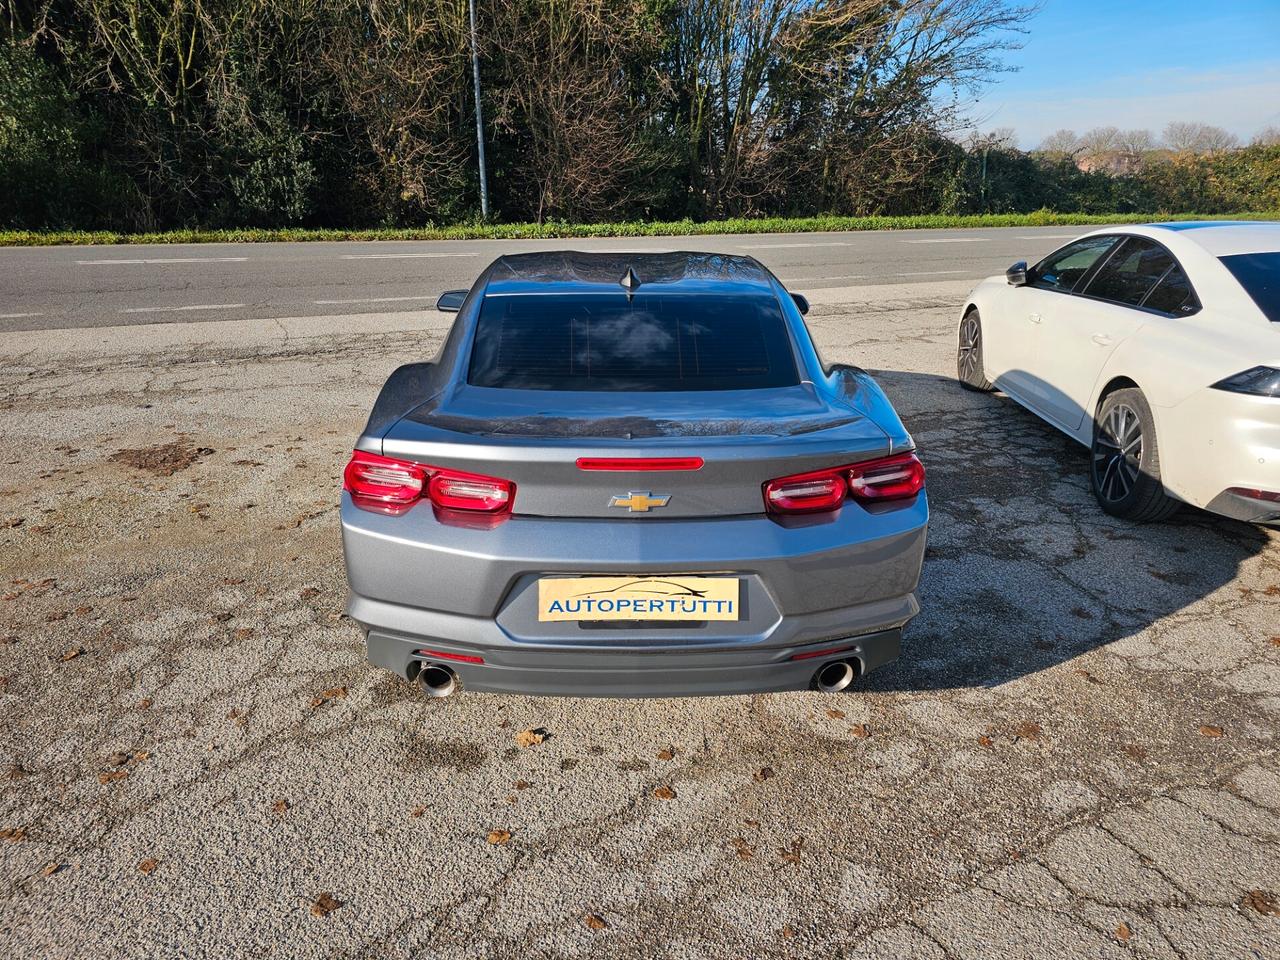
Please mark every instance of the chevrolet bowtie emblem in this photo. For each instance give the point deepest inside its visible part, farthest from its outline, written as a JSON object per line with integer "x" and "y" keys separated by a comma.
{"x": 640, "y": 502}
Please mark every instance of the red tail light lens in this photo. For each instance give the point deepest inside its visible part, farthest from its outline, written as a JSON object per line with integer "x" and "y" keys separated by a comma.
{"x": 899, "y": 477}
{"x": 390, "y": 485}
{"x": 374, "y": 480}
{"x": 892, "y": 478}
{"x": 805, "y": 492}
{"x": 469, "y": 491}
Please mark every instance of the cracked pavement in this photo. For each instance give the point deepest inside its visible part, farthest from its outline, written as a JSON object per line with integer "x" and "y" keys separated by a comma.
{"x": 1075, "y": 756}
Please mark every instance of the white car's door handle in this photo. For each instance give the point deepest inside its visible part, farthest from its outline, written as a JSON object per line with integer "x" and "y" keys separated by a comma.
{"x": 1102, "y": 340}
{"x": 1035, "y": 318}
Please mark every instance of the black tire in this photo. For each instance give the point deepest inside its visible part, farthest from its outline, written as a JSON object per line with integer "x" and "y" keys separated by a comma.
{"x": 969, "y": 369}
{"x": 1124, "y": 461}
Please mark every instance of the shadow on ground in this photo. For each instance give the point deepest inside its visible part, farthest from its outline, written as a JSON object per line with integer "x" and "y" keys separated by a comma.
{"x": 1024, "y": 571}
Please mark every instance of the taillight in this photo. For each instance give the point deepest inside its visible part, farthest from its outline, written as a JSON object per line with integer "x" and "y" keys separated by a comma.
{"x": 468, "y": 491}
{"x": 893, "y": 478}
{"x": 899, "y": 477}
{"x": 1253, "y": 493}
{"x": 374, "y": 480}
{"x": 1259, "y": 381}
{"x": 386, "y": 484}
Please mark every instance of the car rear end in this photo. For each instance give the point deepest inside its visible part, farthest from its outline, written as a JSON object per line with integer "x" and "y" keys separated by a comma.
{"x": 702, "y": 511}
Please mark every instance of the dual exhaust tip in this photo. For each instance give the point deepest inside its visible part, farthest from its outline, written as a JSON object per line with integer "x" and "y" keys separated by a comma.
{"x": 438, "y": 681}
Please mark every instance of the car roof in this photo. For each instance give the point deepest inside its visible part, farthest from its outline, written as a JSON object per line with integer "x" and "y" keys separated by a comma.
{"x": 1224, "y": 238}
{"x": 573, "y": 271}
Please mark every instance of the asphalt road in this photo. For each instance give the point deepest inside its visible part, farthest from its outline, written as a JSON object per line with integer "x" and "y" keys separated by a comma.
{"x": 69, "y": 287}
{"x": 1076, "y": 756}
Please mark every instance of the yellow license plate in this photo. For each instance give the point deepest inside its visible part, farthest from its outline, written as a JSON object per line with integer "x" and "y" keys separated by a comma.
{"x": 638, "y": 598}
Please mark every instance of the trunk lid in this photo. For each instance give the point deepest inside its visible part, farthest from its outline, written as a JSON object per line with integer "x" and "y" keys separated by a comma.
{"x": 744, "y": 438}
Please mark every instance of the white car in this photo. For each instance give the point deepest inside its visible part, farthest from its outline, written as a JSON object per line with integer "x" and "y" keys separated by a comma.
{"x": 1157, "y": 346}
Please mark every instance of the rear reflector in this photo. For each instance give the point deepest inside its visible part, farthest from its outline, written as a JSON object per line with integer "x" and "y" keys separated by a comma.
{"x": 441, "y": 655}
{"x": 639, "y": 463}
{"x": 810, "y": 654}
{"x": 899, "y": 477}
{"x": 388, "y": 485}
{"x": 1254, "y": 494}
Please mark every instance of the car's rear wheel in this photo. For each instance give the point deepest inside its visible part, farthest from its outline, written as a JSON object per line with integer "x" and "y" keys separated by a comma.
{"x": 1124, "y": 461}
{"x": 969, "y": 369}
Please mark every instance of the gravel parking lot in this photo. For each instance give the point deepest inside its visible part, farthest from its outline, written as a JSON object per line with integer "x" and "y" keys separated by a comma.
{"x": 1075, "y": 757}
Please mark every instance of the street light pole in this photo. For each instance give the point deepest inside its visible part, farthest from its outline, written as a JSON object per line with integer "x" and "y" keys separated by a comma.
{"x": 475, "y": 73}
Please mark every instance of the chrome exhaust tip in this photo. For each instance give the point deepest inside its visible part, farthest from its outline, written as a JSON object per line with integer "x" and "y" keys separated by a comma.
{"x": 437, "y": 681}
{"x": 834, "y": 677}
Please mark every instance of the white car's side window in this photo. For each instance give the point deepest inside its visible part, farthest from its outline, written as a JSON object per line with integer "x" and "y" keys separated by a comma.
{"x": 1063, "y": 269}
{"x": 1136, "y": 270}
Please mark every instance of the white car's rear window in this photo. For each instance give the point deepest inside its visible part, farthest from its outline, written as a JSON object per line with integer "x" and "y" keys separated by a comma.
{"x": 1259, "y": 274}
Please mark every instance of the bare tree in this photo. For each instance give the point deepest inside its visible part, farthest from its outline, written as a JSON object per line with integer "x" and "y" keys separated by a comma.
{"x": 1099, "y": 142}
{"x": 1183, "y": 136}
{"x": 1266, "y": 137}
{"x": 1065, "y": 142}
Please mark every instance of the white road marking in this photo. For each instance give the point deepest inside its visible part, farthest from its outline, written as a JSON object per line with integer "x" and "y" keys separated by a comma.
{"x": 1050, "y": 236}
{"x": 928, "y": 273}
{"x": 194, "y": 306}
{"x": 374, "y": 300}
{"x": 951, "y": 240}
{"x": 782, "y": 246}
{"x": 847, "y": 276}
{"x": 92, "y": 263}
{"x": 18, "y": 316}
{"x": 402, "y": 256}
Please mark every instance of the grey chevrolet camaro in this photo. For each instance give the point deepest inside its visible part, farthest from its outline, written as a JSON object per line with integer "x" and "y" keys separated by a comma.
{"x": 632, "y": 475}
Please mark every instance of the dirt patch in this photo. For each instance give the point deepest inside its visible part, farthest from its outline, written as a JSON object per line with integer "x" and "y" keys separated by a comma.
{"x": 164, "y": 459}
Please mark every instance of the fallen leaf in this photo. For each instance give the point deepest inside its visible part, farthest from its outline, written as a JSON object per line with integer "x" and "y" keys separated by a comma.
{"x": 13, "y": 834}
{"x": 595, "y": 921}
{"x": 112, "y": 775}
{"x": 527, "y": 738}
{"x": 664, "y": 793}
{"x": 753, "y": 824}
{"x": 860, "y": 730}
{"x": 148, "y": 866}
{"x": 418, "y": 811}
{"x": 522, "y": 784}
{"x": 985, "y": 741}
{"x": 791, "y": 854}
{"x": 787, "y": 931}
{"x": 835, "y": 714}
{"x": 323, "y": 905}
{"x": 244, "y": 633}
{"x": 56, "y": 616}
{"x": 745, "y": 850}
{"x": 144, "y": 703}
{"x": 666, "y": 753}
{"x": 72, "y": 654}
{"x": 1209, "y": 730}
{"x": 1265, "y": 902}
{"x": 333, "y": 693}
{"x": 1028, "y": 730}
{"x": 280, "y": 806}
{"x": 52, "y": 868}
{"x": 499, "y": 837}
{"x": 308, "y": 592}
{"x": 1275, "y": 641}
{"x": 1134, "y": 751}
{"x": 763, "y": 774}
{"x": 1123, "y": 933}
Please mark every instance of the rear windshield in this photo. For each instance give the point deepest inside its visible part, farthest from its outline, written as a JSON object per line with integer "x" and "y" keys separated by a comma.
{"x": 1259, "y": 274}
{"x": 650, "y": 342}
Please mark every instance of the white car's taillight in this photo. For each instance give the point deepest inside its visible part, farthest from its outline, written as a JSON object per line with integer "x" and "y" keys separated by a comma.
{"x": 1259, "y": 381}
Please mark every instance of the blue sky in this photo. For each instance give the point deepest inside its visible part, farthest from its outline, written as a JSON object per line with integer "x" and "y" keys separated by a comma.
{"x": 1139, "y": 63}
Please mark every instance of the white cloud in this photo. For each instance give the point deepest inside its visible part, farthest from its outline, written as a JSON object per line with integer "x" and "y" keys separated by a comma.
{"x": 1242, "y": 99}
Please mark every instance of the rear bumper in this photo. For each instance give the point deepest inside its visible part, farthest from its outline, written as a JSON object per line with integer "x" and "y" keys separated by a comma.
{"x": 846, "y": 580}
{"x": 637, "y": 673}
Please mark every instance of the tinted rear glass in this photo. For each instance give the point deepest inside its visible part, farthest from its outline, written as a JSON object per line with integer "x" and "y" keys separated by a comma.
{"x": 1259, "y": 274}
{"x": 650, "y": 342}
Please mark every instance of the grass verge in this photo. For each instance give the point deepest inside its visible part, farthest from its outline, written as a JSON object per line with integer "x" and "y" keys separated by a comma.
{"x": 550, "y": 231}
